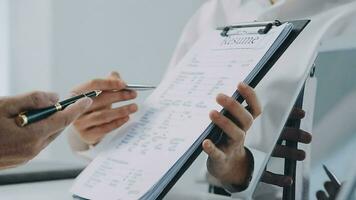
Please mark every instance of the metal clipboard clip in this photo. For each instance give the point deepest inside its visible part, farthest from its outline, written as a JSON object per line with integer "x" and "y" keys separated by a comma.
{"x": 267, "y": 26}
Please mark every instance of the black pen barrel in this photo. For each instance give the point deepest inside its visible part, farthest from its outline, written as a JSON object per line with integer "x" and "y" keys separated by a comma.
{"x": 37, "y": 115}
{"x": 70, "y": 101}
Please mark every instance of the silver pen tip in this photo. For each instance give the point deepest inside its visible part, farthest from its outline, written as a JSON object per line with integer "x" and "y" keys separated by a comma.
{"x": 98, "y": 92}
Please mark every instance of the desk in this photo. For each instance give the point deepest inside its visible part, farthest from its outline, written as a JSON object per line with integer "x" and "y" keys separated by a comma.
{"x": 59, "y": 190}
{"x": 186, "y": 188}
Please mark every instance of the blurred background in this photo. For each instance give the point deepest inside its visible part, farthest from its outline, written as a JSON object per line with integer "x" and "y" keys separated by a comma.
{"x": 55, "y": 45}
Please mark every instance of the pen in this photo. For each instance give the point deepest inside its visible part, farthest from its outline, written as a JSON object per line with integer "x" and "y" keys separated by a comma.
{"x": 32, "y": 116}
{"x": 139, "y": 87}
{"x": 331, "y": 176}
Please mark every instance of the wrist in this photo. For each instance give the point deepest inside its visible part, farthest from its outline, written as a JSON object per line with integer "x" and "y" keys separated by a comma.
{"x": 246, "y": 168}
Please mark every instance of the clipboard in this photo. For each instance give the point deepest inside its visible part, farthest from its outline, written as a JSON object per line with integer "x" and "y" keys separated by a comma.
{"x": 216, "y": 135}
{"x": 212, "y": 131}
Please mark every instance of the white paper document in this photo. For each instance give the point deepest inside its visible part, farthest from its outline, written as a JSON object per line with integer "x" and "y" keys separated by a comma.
{"x": 149, "y": 150}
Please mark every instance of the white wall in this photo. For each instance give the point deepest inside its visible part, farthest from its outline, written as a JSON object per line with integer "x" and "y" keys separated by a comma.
{"x": 56, "y": 45}
{"x": 135, "y": 37}
{"x": 4, "y": 47}
{"x": 30, "y": 54}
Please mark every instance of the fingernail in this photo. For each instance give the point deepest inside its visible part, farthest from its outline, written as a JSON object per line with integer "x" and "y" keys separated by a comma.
{"x": 222, "y": 97}
{"x": 134, "y": 94}
{"x": 288, "y": 181}
{"x": 214, "y": 114}
{"x": 242, "y": 85}
{"x": 207, "y": 144}
{"x": 114, "y": 73}
{"x": 123, "y": 83}
{"x": 86, "y": 102}
{"x": 133, "y": 108}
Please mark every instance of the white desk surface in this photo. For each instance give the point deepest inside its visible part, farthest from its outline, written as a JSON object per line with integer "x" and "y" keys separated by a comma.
{"x": 59, "y": 190}
{"x": 186, "y": 188}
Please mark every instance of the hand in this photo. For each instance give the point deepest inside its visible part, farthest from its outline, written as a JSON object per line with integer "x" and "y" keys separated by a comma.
{"x": 331, "y": 191}
{"x": 229, "y": 162}
{"x": 101, "y": 118}
{"x": 20, "y": 144}
{"x": 281, "y": 151}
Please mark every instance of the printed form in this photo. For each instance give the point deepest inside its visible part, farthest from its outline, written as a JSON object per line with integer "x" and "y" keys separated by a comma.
{"x": 134, "y": 163}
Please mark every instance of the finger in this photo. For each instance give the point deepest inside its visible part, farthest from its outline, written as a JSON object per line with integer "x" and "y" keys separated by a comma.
{"x": 276, "y": 179}
{"x": 106, "y": 116}
{"x": 94, "y": 135}
{"x": 108, "y": 98}
{"x": 289, "y": 153}
{"x": 105, "y": 107}
{"x": 229, "y": 128}
{"x": 297, "y": 113}
{"x": 101, "y": 84}
{"x": 114, "y": 75}
{"x": 331, "y": 188}
{"x": 296, "y": 135}
{"x": 34, "y": 100}
{"x": 243, "y": 118}
{"x": 213, "y": 152}
{"x": 320, "y": 195}
{"x": 60, "y": 120}
{"x": 251, "y": 99}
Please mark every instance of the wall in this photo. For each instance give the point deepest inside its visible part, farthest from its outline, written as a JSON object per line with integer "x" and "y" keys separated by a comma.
{"x": 4, "y": 47}
{"x": 134, "y": 37}
{"x": 56, "y": 45}
{"x": 30, "y": 46}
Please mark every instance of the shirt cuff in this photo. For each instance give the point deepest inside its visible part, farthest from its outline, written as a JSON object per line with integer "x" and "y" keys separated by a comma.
{"x": 79, "y": 147}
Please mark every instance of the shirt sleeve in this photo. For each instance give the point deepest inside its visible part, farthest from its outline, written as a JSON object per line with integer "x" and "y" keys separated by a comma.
{"x": 77, "y": 145}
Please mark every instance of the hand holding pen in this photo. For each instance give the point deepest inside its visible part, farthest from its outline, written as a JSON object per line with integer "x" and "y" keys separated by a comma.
{"x": 21, "y": 144}
{"x": 102, "y": 117}
{"x": 41, "y": 118}
{"x": 32, "y": 116}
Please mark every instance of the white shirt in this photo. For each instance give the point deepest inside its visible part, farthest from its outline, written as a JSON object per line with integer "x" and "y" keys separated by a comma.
{"x": 211, "y": 14}
{"x": 215, "y": 13}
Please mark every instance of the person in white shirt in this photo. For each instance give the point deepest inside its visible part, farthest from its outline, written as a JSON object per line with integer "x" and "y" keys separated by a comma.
{"x": 211, "y": 14}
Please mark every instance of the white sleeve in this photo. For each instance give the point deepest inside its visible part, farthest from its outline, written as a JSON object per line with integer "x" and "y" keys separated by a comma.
{"x": 205, "y": 18}
{"x": 77, "y": 145}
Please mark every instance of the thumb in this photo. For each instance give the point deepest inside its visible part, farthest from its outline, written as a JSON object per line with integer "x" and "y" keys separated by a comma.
{"x": 34, "y": 100}
{"x": 73, "y": 111}
{"x": 114, "y": 75}
{"x": 64, "y": 118}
